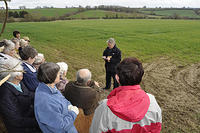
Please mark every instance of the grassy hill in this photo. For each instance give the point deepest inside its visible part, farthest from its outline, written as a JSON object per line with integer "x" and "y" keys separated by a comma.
{"x": 50, "y": 12}
{"x": 167, "y": 12}
{"x": 104, "y": 14}
{"x": 80, "y": 43}
{"x": 148, "y": 12}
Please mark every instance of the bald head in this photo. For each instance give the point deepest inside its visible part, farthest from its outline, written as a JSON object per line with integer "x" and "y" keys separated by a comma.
{"x": 83, "y": 76}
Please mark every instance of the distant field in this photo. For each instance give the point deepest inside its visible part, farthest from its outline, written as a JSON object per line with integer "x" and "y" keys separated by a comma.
{"x": 101, "y": 14}
{"x": 56, "y": 12}
{"x": 51, "y": 12}
{"x": 157, "y": 43}
{"x": 182, "y": 13}
{"x": 146, "y": 39}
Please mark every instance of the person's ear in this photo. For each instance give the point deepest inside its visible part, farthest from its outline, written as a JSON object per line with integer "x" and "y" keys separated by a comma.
{"x": 117, "y": 78}
{"x": 19, "y": 77}
{"x": 89, "y": 82}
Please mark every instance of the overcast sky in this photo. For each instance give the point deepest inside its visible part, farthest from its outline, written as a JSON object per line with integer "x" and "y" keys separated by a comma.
{"x": 131, "y": 3}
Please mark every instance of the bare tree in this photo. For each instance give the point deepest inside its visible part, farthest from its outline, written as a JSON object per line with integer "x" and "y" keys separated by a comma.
{"x": 2, "y": 30}
{"x": 6, "y": 17}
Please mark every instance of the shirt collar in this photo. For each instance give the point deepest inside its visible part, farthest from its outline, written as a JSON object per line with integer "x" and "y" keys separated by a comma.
{"x": 18, "y": 87}
{"x": 53, "y": 90}
{"x": 31, "y": 67}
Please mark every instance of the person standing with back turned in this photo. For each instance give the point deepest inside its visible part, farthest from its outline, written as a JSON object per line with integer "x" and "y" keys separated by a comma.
{"x": 111, "y": 56}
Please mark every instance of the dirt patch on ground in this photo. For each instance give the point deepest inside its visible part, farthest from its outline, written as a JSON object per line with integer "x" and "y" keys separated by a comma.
{"x": 177, "y": 90}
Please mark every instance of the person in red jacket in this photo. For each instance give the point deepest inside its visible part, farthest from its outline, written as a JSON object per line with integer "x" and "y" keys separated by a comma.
{"x": 128, "y": 108}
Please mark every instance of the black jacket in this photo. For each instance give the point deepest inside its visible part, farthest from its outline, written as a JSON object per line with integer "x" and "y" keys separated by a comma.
{"x": 115, "y": 59}
{"x": 17, "y": 111}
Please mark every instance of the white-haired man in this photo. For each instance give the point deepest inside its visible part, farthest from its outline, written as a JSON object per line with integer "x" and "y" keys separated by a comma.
{"x": 82, "y": 93}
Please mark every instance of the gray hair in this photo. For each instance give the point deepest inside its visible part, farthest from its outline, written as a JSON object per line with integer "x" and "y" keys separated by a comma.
{"x": 10, "y": 65}
{"x": 9, "y": 46}
{"x": 111, "y": 41}
{"x": 39, "y": 59}
{"x": 83, "y": 76}
{"x": 15, "y": 40}
{"x": 63, "y": 67}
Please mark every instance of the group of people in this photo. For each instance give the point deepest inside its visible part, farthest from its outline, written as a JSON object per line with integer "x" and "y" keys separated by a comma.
{"x": 38, "y": 97}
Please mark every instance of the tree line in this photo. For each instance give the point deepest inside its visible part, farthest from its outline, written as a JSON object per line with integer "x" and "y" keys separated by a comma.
{"x": 15, "y": 14}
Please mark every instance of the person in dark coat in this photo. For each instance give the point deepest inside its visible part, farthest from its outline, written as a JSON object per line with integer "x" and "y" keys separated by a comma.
{"x": 28, "y": 55}
{"x": 111, "y": 56}
{"x": 16, "y": 101}
{"x": 82, "y": 93}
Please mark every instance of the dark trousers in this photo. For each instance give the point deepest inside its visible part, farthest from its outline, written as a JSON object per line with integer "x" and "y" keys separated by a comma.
{"x": 108, "y": 80}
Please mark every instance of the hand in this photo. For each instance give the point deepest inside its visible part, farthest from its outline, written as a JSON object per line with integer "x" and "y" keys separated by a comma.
{"x": 73, "y": 108}
{"x": 104, "y": 57}
{"x": 96, "y": 83}
{"x": 108, "y": 58}
{"x": 70, "y": 107}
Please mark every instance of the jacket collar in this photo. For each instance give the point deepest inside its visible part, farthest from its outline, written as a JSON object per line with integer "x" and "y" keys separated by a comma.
{"x": 15, "y": 91}
{"x": 52, "y": 90}
{"x": 112, "y": 48}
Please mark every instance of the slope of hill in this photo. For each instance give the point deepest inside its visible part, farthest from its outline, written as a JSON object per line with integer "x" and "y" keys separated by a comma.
{"x": 105, "y": 14}
{"x": 50, "y": 12}
{"x": 168, "y": 12}
{"x": 80, "y": 13}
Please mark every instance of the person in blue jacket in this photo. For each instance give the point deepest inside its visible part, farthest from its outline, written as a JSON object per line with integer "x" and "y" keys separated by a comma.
{"x": 53, "y": 112}
{"x": 28, "y": 55}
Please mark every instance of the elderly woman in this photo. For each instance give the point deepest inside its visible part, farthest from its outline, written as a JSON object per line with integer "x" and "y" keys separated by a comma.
{"x": 39, "y": 59}
{"x": 63, "y": 80}
{"x": 28, "y": 55}
{"x": 53, "y": 112}
{"x": 16, "y": 102}
{"x": 9, "y": 48}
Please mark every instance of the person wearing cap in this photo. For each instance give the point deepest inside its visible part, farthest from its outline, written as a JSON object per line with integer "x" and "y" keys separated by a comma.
{"x": 23, "y": 43}
{"x": 26, "y": 39}
{"x": 128, "y": 108}
{"x": 111, "y": 56}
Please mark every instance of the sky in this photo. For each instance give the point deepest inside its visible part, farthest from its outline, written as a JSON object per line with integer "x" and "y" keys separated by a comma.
{"x": 14, "y": 4}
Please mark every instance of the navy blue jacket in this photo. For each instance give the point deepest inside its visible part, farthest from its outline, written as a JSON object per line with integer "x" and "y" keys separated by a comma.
{"x": 16, "y": 108}
{"x": 30, "y": 78}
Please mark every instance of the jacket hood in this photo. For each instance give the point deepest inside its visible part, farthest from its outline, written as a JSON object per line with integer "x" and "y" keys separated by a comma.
{"x": 129, "y": 103}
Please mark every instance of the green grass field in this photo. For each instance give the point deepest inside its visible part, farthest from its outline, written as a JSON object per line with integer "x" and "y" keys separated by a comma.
{"x": 80, "y": 43}
{"x": 181, "y": 13}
